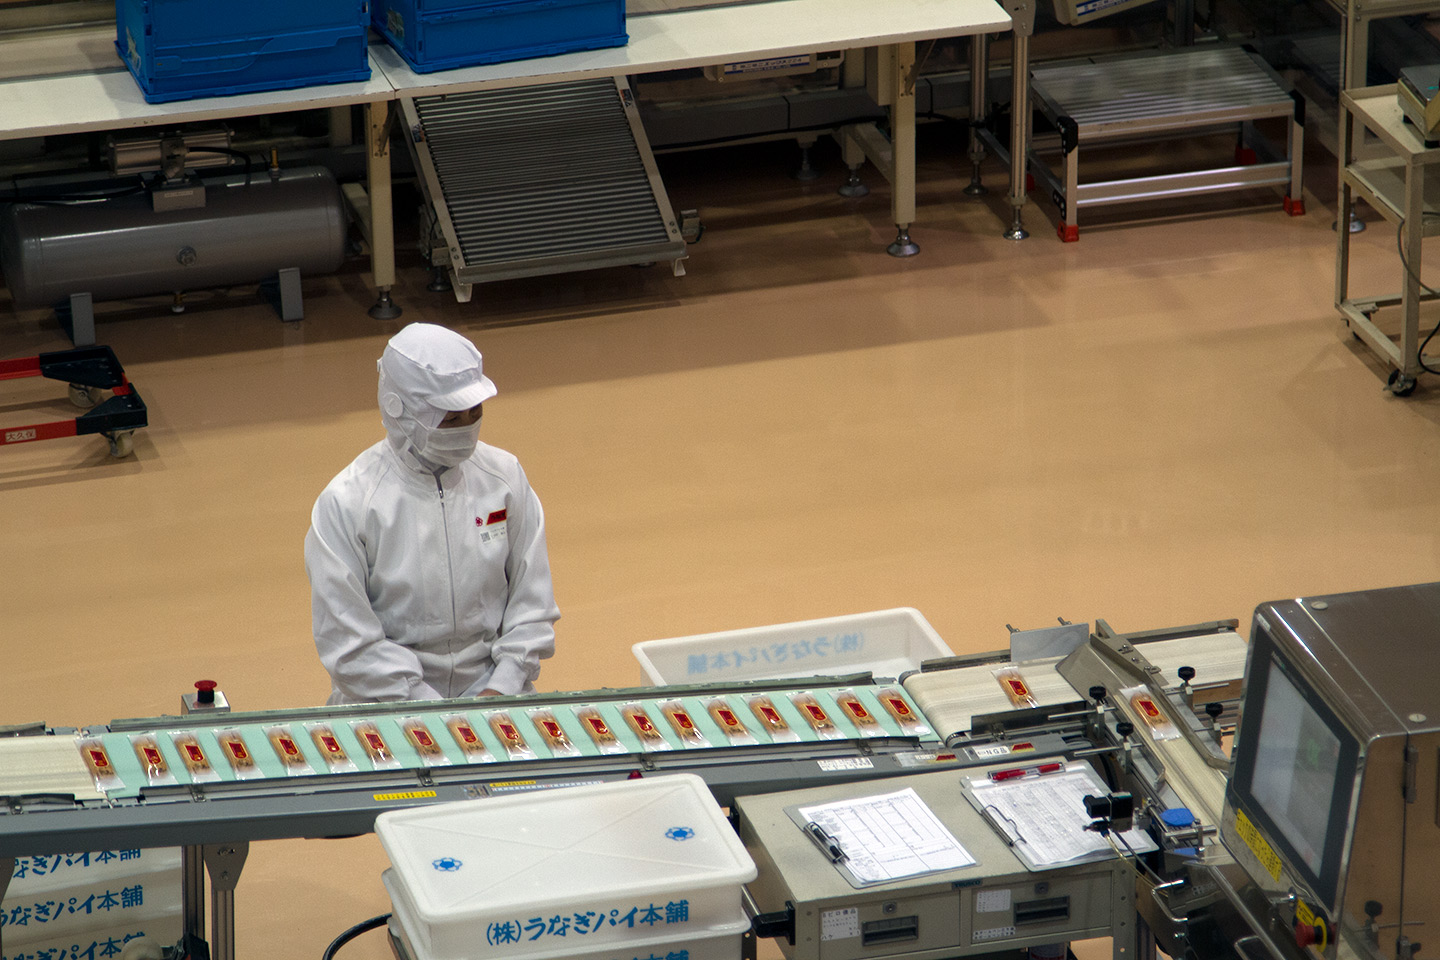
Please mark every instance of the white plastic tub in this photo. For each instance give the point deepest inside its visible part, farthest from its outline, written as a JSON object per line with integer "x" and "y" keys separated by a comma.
{"x": 885, "y": 643}
{"x": 580, "y": 871}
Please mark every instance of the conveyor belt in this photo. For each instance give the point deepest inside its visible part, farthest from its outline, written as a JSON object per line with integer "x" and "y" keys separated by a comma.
{"x": 316, "y": 800}
{"x": 542, "y": 179}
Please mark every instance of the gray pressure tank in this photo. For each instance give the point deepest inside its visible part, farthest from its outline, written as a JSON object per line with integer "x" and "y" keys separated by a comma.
{"x": 246, "y": 232}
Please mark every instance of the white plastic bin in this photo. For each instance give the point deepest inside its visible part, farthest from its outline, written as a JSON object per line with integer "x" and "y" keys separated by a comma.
{"x": 611, "y": 871}
{"x": 105, "y": 896}
{"x": 885, "y": 643}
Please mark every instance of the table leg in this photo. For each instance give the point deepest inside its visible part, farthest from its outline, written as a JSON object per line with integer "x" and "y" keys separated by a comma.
{"x": 1019, "y": 133}
{"x": 1343, "y": 210}
{"x": 902, "y": 141}
{"x": 979, "y": 72}
{"x": 381, "y": 228}
{"x": 1414, "y": 230}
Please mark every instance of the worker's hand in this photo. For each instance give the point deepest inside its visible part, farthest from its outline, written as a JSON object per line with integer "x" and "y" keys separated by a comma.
{"x": 487, "y": 692}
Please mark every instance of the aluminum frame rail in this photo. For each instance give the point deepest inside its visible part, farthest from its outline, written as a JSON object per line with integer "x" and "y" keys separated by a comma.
{"x": 537, "y": 180}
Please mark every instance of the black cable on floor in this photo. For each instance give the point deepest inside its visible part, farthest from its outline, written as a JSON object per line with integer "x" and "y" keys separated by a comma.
{"x": 352, "y": 933}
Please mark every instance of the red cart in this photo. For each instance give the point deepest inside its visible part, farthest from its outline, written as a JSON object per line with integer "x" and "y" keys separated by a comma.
{"x": 88, "y": 371}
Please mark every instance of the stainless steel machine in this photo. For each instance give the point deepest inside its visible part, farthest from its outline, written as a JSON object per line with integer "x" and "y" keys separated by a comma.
{"x": 1315, "y": 841}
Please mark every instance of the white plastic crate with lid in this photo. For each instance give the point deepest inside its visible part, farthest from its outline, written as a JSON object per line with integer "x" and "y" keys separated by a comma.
{"x": 885, "y": 643}
{"x": 577, "y": 871}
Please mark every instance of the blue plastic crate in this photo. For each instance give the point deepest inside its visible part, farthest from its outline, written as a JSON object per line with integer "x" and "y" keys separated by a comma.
{"x": 182, "y": 49}
{"x": 444, "y": 34}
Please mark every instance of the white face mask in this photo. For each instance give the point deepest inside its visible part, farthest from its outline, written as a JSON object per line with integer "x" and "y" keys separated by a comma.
{"x": 451, "y": 446}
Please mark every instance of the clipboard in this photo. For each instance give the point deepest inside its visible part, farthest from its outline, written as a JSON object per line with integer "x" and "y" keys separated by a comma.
{"x": 865, "y": 860}
{"x": 1042, "y": 817}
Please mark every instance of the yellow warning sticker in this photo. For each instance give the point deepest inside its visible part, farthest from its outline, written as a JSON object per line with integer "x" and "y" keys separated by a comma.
{"x": 1257, "y": 844}
{"x": 513, "y": 783}
{"x": 409, "y": 795}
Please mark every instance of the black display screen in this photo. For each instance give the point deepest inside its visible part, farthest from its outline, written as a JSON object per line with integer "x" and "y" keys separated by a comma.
{"x": 1295, "y": 768}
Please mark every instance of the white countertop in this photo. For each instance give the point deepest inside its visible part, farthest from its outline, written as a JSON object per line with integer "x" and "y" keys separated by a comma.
{"x": 693, "y": 38}
{"x": 106, "y": 97}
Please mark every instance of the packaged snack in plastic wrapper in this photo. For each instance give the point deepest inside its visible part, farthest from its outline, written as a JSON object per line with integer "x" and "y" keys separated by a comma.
{"x": 859, "y": 715}
{"x": 469, "y": 741}
{"x": 283, "y": 742}
{"x": 424, "y": 742}
{"x": 553, "y": 734}
{"x": 682, "y": 724}
{"x": 238, "y": 755}
{"x": 509, "y": 736}
{"x": 894, "y": 703}
{"x": 770, "y": 719}
{"x": 729, "y": 722}
{"x": 193, "y": 756}
{"x": 816, "y": 716}
{"x": 374, "y": 745}
{"x": 97, "y": 761}
{"x": 323, "y": 736}
{"x": 1015, "y": 687}
{"x": 1151, "y": 713}
{"x": 600, "y": 733}
{"x": 639, "y": 721}
{"x": 152, "y": 760}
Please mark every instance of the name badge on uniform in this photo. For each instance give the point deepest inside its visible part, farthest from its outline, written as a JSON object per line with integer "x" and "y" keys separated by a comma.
{"x": 492, "y": 526}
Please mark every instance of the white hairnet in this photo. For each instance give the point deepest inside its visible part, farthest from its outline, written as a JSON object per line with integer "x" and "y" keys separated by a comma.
{"x": 426, "y": 372}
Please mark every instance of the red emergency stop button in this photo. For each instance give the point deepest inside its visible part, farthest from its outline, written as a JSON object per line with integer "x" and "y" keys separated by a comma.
{"x": 205, "y": 691}
{"x": 1310, "y": 934}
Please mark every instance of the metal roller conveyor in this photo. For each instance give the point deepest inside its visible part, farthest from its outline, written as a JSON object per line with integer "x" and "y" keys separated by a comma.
{"x": 953, "y": 697}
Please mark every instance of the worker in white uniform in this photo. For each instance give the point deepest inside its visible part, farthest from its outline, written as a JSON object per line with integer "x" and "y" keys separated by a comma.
{"x": 429, "y": 574}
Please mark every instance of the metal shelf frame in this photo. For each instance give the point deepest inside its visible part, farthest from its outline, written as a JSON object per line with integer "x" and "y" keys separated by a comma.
{"x": 1400, "y": 188}
{"x": 1169, "y": 93}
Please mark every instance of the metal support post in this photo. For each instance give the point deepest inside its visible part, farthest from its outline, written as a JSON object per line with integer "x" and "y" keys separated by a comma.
{"x": 1022, "y": 25}
{"x": 1144, "y": 940}
{"x": 224, "y": 861}
{"x": 192, "y": 891}
{"x": 1019, "y": 133}
{"x": 381, "y": 226}
{"x": 979, "y": 73}
{"x": 1125, "y": 921}
{"x": 902, "y": 141}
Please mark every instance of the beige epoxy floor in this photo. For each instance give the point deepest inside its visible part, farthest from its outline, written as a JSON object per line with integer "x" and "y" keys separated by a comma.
{"x": 1161, "y": 424}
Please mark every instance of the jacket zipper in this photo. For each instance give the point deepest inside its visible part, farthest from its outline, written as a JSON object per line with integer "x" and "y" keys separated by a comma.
{"x": 450, "y": 571}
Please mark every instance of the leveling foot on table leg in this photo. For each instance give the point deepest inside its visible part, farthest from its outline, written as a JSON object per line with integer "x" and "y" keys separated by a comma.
{"x": 385, "y": 308}
{"x": 903, "y": 245}
{"x": 853, "y": 187}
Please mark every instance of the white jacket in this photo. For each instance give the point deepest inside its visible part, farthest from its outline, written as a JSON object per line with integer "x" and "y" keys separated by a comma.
{"x": 424, "y": 588}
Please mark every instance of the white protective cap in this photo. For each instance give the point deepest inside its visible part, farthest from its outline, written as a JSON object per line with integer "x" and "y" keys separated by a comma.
{"x": 426, "y": 372}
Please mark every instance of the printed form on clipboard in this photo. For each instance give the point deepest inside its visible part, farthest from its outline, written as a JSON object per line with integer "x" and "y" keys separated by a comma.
{"x": 881, "y": 838}
{"x": 1040, "y": 812}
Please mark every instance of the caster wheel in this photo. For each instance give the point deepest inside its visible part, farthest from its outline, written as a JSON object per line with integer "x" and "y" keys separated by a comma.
{"x": 1399, "y": 385}
{"x": 83, "y": 396}
{"x": 121, "y": 444}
